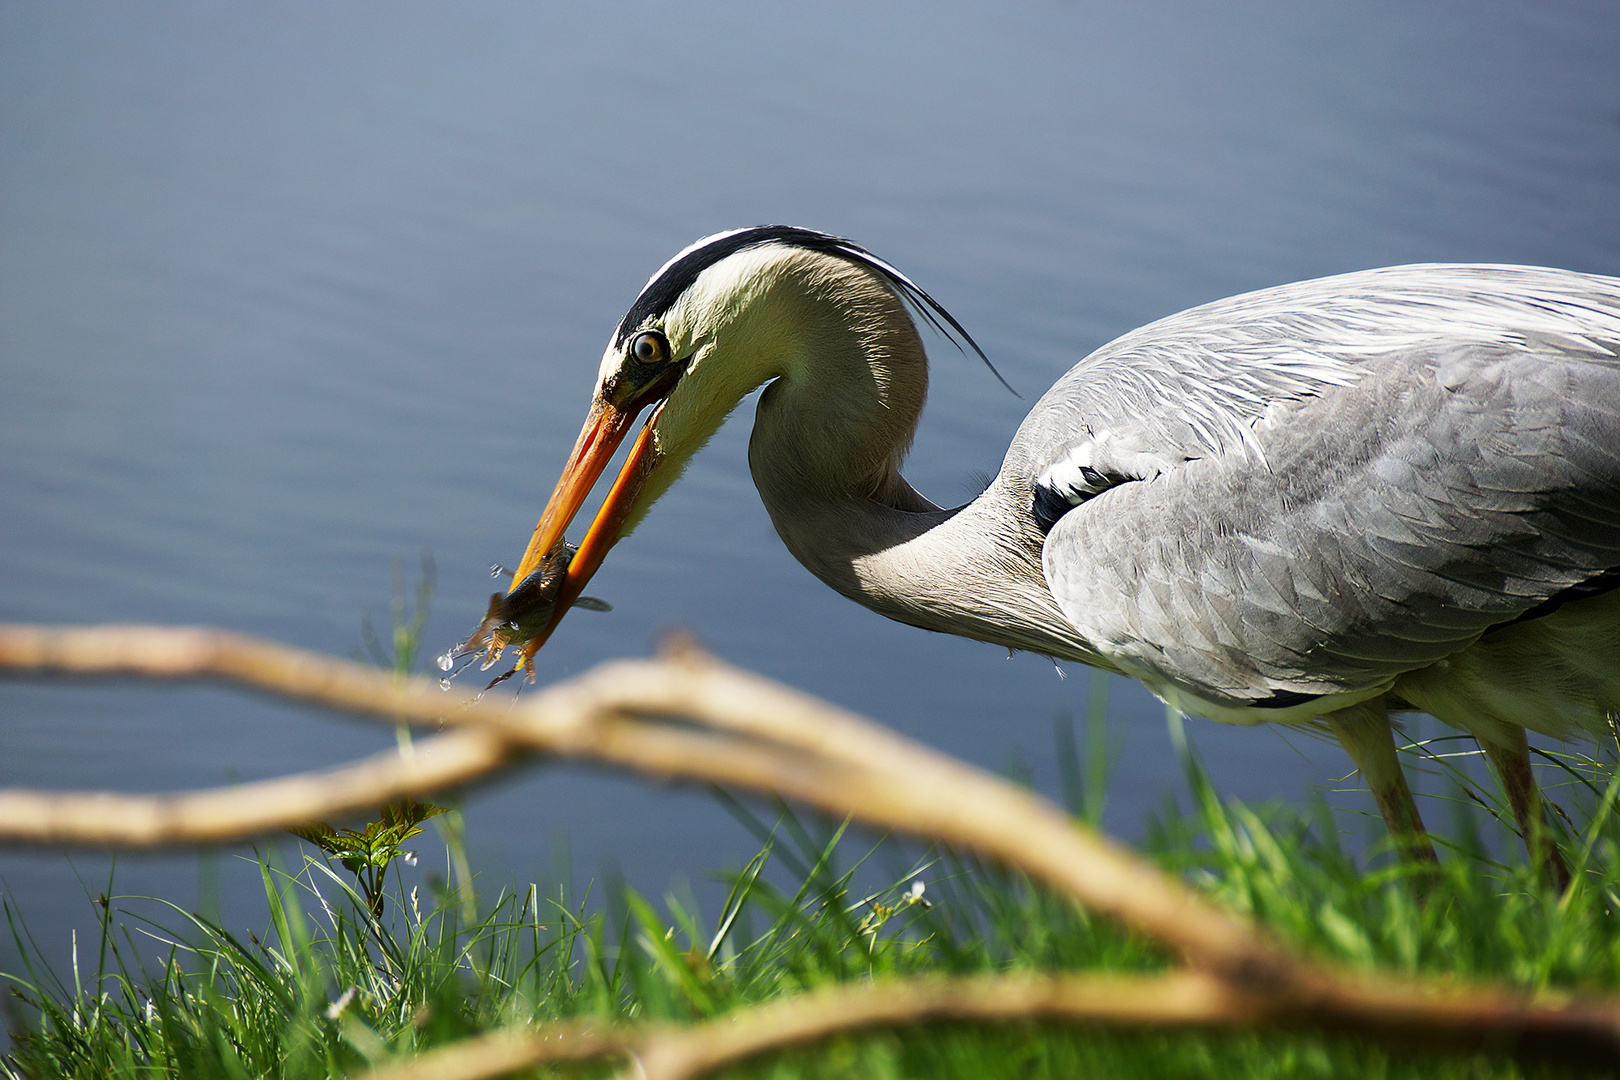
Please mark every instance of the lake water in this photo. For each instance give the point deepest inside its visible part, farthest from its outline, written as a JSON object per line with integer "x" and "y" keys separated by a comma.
{"x": 290, "y": 294}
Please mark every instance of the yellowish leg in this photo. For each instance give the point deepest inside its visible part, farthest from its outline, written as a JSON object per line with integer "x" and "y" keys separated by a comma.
{"x": 1512, "y": 765}
{"x": 1364, "y": 732}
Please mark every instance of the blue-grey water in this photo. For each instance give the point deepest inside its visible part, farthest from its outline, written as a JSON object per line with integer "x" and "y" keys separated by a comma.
{"x": 292, "y": 293}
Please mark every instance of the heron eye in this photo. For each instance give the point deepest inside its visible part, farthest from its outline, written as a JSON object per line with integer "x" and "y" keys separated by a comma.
{"x": 649, "y": 348}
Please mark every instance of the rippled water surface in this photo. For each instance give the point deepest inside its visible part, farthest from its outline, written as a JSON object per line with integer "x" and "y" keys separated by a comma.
{"x": 290, "y": 294}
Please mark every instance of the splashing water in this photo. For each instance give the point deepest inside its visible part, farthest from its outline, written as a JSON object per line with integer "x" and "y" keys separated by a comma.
{"x": 516, "y": 617}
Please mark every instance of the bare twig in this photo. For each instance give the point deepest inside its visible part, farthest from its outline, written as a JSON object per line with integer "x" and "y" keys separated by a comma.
{"x": 507, "y": 1051}
{"x": 688, "y": 717}
{"x": 231, "y": 813}
{"x": 768, "y": 739}
{"x": 1456, "y": 1020}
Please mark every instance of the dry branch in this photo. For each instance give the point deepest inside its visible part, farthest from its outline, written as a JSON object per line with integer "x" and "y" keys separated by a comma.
{"x": 687, "y": 717}
{"x": 230, "y": 813}
{"x": 1175, "y": 1000}
{"x": 764, "y": 738}
{"x": 502, "y": 1052}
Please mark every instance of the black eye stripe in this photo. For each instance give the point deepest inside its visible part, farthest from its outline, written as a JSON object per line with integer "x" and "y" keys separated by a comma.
{"x": 676, "y": 277}
{"x": 679, "y": 275}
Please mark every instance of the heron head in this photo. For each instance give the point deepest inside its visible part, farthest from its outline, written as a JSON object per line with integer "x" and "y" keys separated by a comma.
{"x": 709, "y": 327}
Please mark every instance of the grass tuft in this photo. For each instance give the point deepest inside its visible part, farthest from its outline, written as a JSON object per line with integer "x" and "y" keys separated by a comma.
{"x": 340, "y": 980}
{"x": 330, "y": 987}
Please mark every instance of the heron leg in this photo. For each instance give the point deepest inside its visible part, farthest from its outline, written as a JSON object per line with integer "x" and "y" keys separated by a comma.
{"x": 1511, "y": 761}
{"x": 1365, "y": 734}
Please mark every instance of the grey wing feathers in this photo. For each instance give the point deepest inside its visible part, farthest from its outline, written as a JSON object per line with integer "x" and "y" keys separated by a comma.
{"x": 1197, "y": 382}
{"x": 1433, "y": 457}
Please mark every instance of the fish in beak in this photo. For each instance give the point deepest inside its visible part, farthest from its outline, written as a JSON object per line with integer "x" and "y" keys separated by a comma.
{"x": 553, "y": 573}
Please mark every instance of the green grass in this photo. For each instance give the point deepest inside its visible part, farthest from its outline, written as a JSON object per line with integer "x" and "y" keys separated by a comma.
{"x": 424, "y": 974}
{"x": 329, "y": 987}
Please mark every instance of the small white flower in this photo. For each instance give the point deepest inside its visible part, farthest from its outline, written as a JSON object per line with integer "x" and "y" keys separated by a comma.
{"x": 408, "y": 858}
{"x": 335, "y": 1010}
{"x": 915, "y": 894}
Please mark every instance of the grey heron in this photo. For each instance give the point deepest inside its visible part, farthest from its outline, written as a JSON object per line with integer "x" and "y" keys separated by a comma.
{"x": 1391, "y": 490}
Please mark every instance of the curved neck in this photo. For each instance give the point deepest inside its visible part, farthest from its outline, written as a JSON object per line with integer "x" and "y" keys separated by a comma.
{"x": 830, "y": 434}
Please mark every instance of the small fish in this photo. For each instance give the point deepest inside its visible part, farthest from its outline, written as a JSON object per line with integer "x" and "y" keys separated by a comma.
{"x": 530, "y": 603}
{"x": 514, "y": 617}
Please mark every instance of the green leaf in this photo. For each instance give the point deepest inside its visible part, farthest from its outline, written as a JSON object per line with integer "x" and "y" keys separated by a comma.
{"x": 318, "y": 833}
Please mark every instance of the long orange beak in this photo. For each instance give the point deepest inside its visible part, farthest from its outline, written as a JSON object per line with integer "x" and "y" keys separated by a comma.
{"x": 605, "y": 428}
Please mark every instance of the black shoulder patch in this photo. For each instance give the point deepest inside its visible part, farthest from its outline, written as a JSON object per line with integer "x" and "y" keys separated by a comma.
{"x": 1048, "y": 505}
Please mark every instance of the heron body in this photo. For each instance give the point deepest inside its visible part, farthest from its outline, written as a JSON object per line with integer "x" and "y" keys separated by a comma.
{"x": 1390, "y": 490}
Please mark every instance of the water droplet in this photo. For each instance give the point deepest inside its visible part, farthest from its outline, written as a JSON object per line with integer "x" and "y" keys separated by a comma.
{"x": 446, "y": 661}
{"x": 444, "y": 684}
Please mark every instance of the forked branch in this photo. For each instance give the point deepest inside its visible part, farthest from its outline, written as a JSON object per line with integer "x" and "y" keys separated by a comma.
{"x": 689, "y": 717}
{"x": 635, "y": 715}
